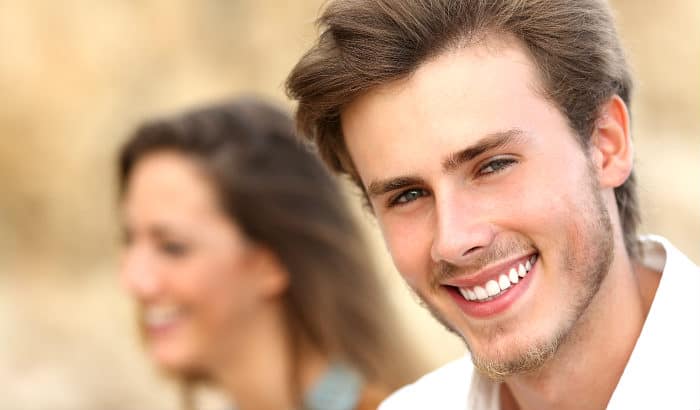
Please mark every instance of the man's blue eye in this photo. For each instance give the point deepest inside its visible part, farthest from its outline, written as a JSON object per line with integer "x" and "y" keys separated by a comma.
{"x": 496, "y": 165}
{"x": 408, "y": 196}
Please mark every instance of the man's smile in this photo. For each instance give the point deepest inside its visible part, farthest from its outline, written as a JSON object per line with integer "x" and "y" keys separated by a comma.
{"x": 494, "y": 289}
{"x": 496, "y": 286}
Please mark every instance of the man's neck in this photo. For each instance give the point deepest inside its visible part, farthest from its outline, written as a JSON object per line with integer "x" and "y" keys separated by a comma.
{"x": 588, "y": 365}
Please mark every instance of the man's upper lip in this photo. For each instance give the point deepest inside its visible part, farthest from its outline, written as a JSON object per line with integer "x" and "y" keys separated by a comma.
{"x": 479, "y": 278}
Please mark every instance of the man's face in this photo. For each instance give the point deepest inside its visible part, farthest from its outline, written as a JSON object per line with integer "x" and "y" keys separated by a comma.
{"x": 486, "y": 201}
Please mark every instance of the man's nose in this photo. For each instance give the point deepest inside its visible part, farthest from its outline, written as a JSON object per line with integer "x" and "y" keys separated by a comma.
{"x": 462, "y": 229}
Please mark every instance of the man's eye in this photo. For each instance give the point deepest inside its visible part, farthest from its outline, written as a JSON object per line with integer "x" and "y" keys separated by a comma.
{"x": 408, "y": 196}
{"x": 496, "y": 166}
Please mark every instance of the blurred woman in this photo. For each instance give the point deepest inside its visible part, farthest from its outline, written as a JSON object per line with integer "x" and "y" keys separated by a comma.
{"x": 247, "y": 267}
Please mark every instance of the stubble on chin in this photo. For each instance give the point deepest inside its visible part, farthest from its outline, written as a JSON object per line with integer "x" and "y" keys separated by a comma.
{"x": 529, "y": 360}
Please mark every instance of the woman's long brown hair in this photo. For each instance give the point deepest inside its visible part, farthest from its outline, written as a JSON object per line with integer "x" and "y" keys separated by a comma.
{"x": 279, "y": 193}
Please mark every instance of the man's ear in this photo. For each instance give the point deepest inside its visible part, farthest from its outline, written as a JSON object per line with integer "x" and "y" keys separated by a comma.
{"x": 611, "y": 147}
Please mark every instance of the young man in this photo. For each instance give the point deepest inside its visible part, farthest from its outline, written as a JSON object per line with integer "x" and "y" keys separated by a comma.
{"x": 492, "y": 141}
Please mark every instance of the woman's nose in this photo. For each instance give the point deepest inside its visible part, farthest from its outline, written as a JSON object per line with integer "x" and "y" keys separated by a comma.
{"x": 139, "y": 273}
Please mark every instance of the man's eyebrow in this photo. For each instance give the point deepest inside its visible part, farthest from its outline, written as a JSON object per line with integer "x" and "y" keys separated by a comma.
{"x": 381, "y": 187}
{"x": 489, "y": 142}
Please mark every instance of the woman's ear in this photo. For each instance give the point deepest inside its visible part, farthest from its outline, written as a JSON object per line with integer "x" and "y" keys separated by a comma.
{"x": 611, "y": 147}
{"x": 272, "y": 278}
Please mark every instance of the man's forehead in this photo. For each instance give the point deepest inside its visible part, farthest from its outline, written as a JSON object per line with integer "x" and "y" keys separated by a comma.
{"x": 450, "y": 101}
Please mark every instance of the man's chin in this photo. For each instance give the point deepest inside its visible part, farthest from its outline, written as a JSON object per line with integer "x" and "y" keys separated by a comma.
{"x": 501, "y": 358}
{"x": 500, "y": 364}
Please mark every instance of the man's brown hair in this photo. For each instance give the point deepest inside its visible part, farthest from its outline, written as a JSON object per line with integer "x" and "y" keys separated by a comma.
{"x": 367, "y": 43}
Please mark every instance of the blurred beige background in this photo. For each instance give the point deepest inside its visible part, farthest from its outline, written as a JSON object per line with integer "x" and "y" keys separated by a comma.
{"x": 76, "y": 76}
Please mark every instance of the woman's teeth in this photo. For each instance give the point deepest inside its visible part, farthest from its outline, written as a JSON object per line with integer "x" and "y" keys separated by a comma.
{"x": 495, "y": 287}
{"x": 160, "y": 315}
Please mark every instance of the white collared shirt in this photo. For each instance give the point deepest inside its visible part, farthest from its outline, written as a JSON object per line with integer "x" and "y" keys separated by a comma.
{"x": 663, "y": 371}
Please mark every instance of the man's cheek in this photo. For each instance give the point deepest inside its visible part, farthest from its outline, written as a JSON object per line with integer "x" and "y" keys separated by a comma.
{"x": 407, "y": 259}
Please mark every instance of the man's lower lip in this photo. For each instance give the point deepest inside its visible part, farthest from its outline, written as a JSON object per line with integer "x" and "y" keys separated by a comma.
{"x": 497, "y": 305}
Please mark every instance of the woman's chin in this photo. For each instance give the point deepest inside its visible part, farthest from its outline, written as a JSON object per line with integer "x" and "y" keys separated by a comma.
{"x": 174, "y": 359}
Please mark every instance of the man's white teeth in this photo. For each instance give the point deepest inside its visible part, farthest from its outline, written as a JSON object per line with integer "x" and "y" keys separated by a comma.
{"x": 503, "y": 282}
{"x": 521, "y": 271}
{"x": 493, "y": 287}
{"x": 513, "y": 276}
